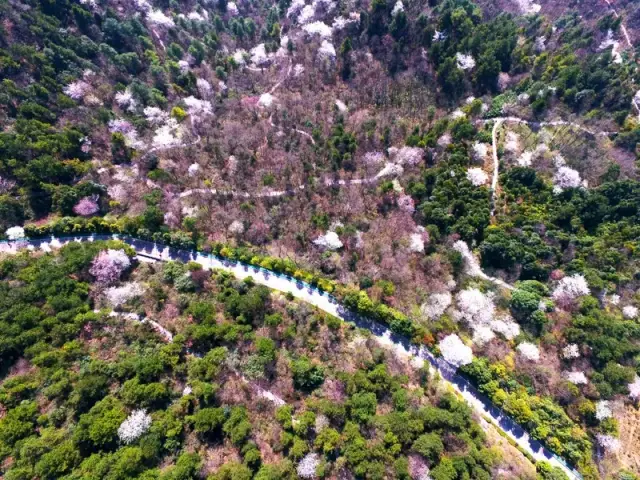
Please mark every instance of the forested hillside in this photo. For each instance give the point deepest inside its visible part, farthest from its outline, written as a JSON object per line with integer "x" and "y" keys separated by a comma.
{"x": 465, "y": 173}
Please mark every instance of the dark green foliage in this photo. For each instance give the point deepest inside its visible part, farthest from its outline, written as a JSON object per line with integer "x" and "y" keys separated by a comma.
{"x": 306, "y": 375}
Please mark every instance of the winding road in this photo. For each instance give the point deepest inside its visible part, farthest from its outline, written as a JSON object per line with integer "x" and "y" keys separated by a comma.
{"x": 421, "y": 355}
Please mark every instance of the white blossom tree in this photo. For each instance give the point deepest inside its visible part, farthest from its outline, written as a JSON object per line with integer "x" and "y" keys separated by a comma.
{"x": 603, "y": 410}
{"x": 577, "y": 378}
{"x": 477, "y": 176}
{"x": 571, "y": 351}
{"x": 566, "y": 177}
{"x": 608, "y": 442}
{"x": 436, "y": 305}
{"x": 630, "y": 312}
{"x": 454, "y": 351}
{"x": 15, "y": 233}
{"x": 308, "y": 465}
{"x": 570, "y": 288}
{"x": 529, "y": 351}
{"x": 634, "y": 389}
{"x": 134, "y": 426}
{"x": 329, "y": 241}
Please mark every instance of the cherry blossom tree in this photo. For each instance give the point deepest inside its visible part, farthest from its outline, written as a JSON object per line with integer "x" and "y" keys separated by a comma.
{"x": 117, "y": 296}
{"x": 77, "y": 90}
{"x": 86, "y": 206}
{"x": 603, "y": 410}
{"x": 454, "y": 351}
{"x": 329, "y": 241}
{"x": 436, "y": 305}
{"x": 608, "y": 442}
{"x": 529, "y": 351}
{"x": 134, "y": 426}
{"x": 565, "y": 178}
{"x": 630, "y": 312}
{"x": 634, "y": 389}
{"x": 571, "y": 351}
{"x": 570, "y": 288}
{"x": 477, "y": 176}
{"x": 577, "y": 378}
{"x": 108, "y": 265}
{"x": 465, "y": 61}
{"x": 308, "y": 465}
{"x": 15, "y": 233}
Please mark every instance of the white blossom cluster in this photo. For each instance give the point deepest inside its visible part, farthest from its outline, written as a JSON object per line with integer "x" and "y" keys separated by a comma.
{"x": 236, "y": 227}
{"x": 480, "y": 150}
{"x": 608, "y": 442}
{"x": 577, "y": 378}
{"x": 436, "y": 305}
{"x": 155, "y": 115}
{"x": 472, "y": 267}
{"x": 341, "y": 106}
{"x": 168, "y": 135}
{"x": 157, "y": 17}
{"x": 477, "y": 176}
{"x": 512, "y": 142}
{"x": 15, "y": 233}
{"x": 306, "y": 14}
{"x": 238, "y": 57}
{"x": 397, "y": 8}
{"x": 197, "y": 108}
{"x": 259, "y": 55}
{"x": 298, "y": 70}
{"x": 295, "y": 7}
{"x": 77, "y": 90}
{"x": 204, "y": 87}
{"x": 341, "y": 22}
{"x": 630, "y": 312}
{"x": 634, "y": 389}
{"x": 327, "y": 50}
{"x": 571, "y": 351}
{"x": 410, "y": 156}
{"x": 193, "y": 169}
{"x": 454, "y": 351}
{"x": 529, "y": 351}
{"x": 232, "y": 8}
{"x": 416, "y": 242}
{"x": 603, "y": 410}
{"x": 266, "y": 100}
{"x": 570, "y": 288}
{"x": 614, "y": 299}
{"x": 308, "y": 465}
{"x": 439, "y": 36}
{"x": 134, "y": 425}
{"x": 374, "y": 158}
{"x": 318, "y": 28}
{"x": 465, "y": 61}
{"x": 117, "y": 296}
{"x": 566, "y": 177}
{"x": 526, "y": 159}
{"x": 125, "y": 100}
{"x": 474, "y": 307}
{"x": 328, "y": 241}
{"x": 506, "y": 327}
{"x": 390, "y": 170}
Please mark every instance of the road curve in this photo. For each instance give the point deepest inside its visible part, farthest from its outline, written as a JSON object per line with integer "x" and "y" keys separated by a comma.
{"x": 329, "y": 304}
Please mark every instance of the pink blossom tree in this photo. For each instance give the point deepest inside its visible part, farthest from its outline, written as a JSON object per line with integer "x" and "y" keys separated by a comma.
{"x": 86, "y": 206}
{"x": 108, "y": 265}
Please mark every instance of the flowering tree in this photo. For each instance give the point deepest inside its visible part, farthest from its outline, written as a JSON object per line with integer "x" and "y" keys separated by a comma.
{"x": 577, "y": 378}
{"x": 454, "y": 351}
{"x": 86, "y": 206}
{"x": 117, "y": 296}
{"x": 436, "y": 305}
{"x": 157, "y": 17}
{"x": 506, "y": 327}
{"x": 77, "y": 90}
{"x": 630, "y": 312}
{"x": 465, "y": 61}
{"x": 477, "y": 176}
{"x": 108, "y": 265}
{"x": 474, "y": 307}
{"x": 329, "y": 241}
{"x": 308, "y": 465}
{"x": 608, "y": 442}
{"x": 603, "y": 410}
{"x": 571, "y": 351}
{"x": 634, "y": 389}
{"x": 529, "y": 351}
{"x": 565, "y": 178}
{"x": 570, "y": 288}
{"x": 134, "y": 425}
{"x": 15, "y": 233}
{"x": 406, "y": 203}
